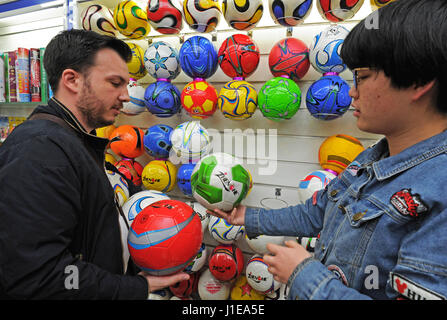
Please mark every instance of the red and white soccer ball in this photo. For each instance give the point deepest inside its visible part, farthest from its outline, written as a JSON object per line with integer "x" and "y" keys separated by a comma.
{"x": 210, "y": 288}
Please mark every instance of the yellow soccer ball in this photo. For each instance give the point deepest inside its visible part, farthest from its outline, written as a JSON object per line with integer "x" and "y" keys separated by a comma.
{"x": 136, "y": 64}
{"x": 237, "y": 100}
{"x": 338, "y": 151}
{"x": 160, "y": 175}
{"x": 243, "y": 291}
{"x": 131, "y": 20}
{"x": 376, "y": 4}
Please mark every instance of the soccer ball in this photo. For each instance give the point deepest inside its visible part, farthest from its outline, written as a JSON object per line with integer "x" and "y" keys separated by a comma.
{"x": 259, "y": 243}
{"x": 136, "y": 64}
{"x": 127, "y": 141}
{"x": 338, "y": 10}
{"x": 162, "y": 99}
{"x": 289, "y": 13}
{"x": 289, "y": 57}
{"x": 376, "y": 4}
{"x": 212, "y": 289}
{"x": 136, "y": 104}
{"x": 157, "y": 141}
{"x": 165, "y": 15}
{"x": 313, "y": 182}
{"x": 220, "y": 181}
{"x": 226, "y": 262}
{"x": 164, "y": 237}
{"x": 184, "y": 178}
{"x": 190, "y": 142}
{"x": 338, "y": 151}
{"x": 185, "y": 288}
{"x": 131, "y": 20}
{"x": 279, "y": 98}
{"x": 159, "y": 175}
{"x": 203, "y": 215}
{"x": 238, "y": 56}
{"x": 237, "y": 100}
{"x": 161, "y": 61}
{"x": 324, "y": 53}
{"x": 198, "y": 57}
{"x": 258, "y": 276}
{"x": 199, "y": 99}
{"x": 242, "y": 15}
{"x": 98, "y": 18}
{"x": 119, "y": 185}
{"x": 131, "y": 169}
{"x": 224, "y": 232}
{"x": 199, "y": 260}
{"x": 202, "y": 16}
{"x": 105, "y": 132}
{"x": 281, "y": 294}
{"x": 243, "y": 291}
{"x": 328, "y": 98}
{"x": 131, "y": 208}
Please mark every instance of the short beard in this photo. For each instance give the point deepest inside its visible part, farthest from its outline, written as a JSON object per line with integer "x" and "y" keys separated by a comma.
{"x": 91, "y": 108}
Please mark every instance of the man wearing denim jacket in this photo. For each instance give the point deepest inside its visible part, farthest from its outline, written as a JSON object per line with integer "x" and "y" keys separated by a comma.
{"x": 383, "y": 221}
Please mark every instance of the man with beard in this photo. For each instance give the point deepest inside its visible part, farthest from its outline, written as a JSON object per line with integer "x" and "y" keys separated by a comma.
{"x": 59, "y": 230}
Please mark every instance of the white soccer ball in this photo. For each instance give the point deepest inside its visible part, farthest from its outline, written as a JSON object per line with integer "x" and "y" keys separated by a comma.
{"x": 190, "y": 142}
{"x": 324, "y": 52}
{"x": 99, "y": 19}
{"x": 313, "y": 182}
{"x": 199, "y": 260}
{"x": 259, "y": 243}
{"x": 162, "y": 294}
{"x": 202, "y": 16}
{"x": 259, "y": 277}
{"x": 201, "y": 212}
{"x": 224, "y": 232}
{"x": 161, "y": 61}
{"x": 136, "y": 104}
{"x": 212, "y": 289}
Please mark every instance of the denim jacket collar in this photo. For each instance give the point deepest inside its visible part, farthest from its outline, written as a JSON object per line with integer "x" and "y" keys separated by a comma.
{"x": 408, "y": 158}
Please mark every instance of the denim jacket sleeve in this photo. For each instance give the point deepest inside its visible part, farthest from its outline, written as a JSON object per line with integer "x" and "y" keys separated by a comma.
{"x": 299, "y": 220}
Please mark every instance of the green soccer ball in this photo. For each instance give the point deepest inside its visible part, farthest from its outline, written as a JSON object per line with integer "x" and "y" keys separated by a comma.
{"x": 220, "y": 181}
{"x": 279, "y": 98}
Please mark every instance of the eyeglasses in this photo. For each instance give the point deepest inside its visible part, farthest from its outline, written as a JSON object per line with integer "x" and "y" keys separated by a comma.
{"x": 356, "y": 75}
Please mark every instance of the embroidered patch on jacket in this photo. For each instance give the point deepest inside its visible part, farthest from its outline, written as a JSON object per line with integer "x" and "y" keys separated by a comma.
{"x": 354, "y": 168}
{"x": 412, "y": 290}
{"x": 338, "y": 273}
{"x": 407, "y": 203}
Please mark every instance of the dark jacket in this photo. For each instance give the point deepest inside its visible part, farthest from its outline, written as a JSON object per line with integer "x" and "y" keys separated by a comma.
{"x": 59, "y": 229}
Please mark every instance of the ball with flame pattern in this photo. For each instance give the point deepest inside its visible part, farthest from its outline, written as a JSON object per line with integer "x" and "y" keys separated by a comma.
{"x": 242, "y": 14}
{"x": 99, "y": 18}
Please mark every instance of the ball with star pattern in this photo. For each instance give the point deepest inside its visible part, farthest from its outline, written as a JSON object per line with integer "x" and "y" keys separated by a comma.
{"x": 161, "y": 61}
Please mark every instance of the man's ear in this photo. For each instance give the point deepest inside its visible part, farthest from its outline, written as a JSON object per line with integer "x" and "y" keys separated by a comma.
{"x": 421, "y": 91}
{"x": 71, "y": 80}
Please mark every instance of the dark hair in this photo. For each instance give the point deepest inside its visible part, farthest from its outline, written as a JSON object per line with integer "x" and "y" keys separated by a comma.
{"x": 409, "y": 44}
{"x": 76, "y": 49}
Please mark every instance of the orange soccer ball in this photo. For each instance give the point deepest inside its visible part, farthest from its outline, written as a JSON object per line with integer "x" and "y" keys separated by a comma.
{"x": 199, "y": 99}
{"x": 127, "y": 141}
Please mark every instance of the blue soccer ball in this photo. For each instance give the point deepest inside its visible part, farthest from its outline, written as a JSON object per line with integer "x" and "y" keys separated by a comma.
{"x": 328, "y": 97}
{"x": 184, "y": 178}
{"x": 198, "y": 57}
{"x": 162, "y": 99}
{"x": 157, "y": 141}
